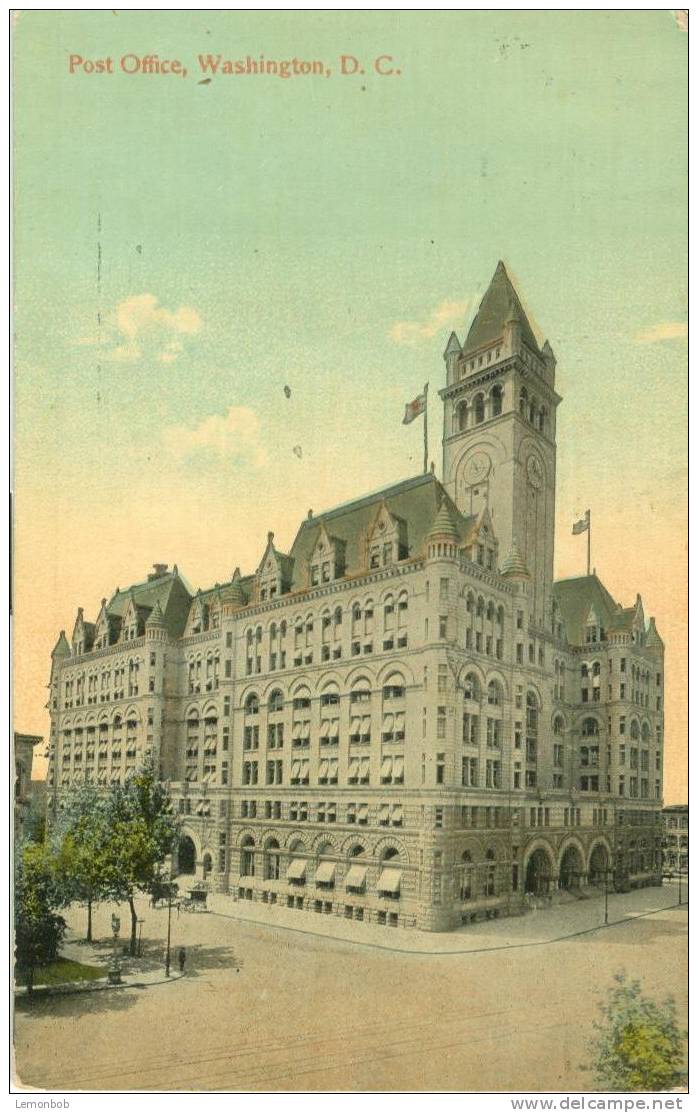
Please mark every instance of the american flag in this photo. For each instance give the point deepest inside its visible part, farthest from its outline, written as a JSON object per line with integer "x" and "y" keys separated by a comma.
{"x": 415, "y": 408}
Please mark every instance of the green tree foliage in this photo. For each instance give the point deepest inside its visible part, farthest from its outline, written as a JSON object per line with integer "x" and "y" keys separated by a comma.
{"x": 39, "y": 928}
{"x": 143, "y": 831}
{"x": 638, "y": 1046}
{"x": 80, "y": 841}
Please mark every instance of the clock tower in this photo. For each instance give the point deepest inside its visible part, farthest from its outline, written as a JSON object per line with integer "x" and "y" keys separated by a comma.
{"x": 499, "y": 432}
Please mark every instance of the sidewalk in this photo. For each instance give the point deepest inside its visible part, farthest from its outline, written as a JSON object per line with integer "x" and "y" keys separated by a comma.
{"x": 535, "y": 928}
{"x": 135, "y": 973}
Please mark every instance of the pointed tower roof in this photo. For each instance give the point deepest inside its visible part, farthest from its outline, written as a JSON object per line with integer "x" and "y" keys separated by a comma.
{"x": 500, "y": 304}
{"x": 156, "y": 617}
{"x": 443, "y": 524}
{"x": 61, "y": 648}
{"x": 653, "y": 637}
{"x": 514, "y": 564}
{"x": 452, "y": 346}
{"x": 233, "y": 593}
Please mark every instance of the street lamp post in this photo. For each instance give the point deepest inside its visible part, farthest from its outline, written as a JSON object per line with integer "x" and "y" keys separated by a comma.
{"x": 114, "y": 972}
{"x": 169, "y": 928}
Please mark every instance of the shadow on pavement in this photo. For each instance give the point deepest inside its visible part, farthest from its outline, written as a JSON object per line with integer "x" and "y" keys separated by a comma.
{"x": 78, "y": 1004}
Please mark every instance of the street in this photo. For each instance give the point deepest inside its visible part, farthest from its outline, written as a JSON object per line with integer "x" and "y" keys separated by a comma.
{"x": 264, "y": 1008}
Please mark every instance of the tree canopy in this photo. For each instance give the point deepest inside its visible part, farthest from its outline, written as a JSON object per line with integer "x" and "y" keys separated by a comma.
{"x": 638, "y": 1046}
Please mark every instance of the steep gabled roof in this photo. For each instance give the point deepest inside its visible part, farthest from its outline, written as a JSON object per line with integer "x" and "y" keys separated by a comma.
{"x": 576, "y": 597}
{"x": 168, "y": 590}
{"x": 416, "y": 501}
{"x": 500, "y": 304}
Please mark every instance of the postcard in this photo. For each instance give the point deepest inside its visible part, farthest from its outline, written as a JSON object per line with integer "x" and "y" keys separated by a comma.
{"x": 350, "y": 530}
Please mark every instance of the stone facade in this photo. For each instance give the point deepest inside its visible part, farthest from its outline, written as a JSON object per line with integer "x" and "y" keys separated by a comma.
{"x": 675, "y": 841}
{"x": 403, "y": 719}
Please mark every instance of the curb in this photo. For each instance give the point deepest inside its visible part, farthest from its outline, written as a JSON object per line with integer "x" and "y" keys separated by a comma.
{"x": 464, "y": 951}
{"x": 97, "y": 986}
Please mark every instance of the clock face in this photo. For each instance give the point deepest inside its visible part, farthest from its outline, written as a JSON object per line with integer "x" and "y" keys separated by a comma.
{"x": 534, "y": 471}
{"x": 477, "y": 468}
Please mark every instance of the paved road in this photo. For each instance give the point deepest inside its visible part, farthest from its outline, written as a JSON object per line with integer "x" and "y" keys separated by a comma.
{"x": 267, "y": 1009}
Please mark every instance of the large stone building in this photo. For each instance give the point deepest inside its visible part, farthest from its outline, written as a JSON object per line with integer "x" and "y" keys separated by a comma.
{"x": 403, "y": 719}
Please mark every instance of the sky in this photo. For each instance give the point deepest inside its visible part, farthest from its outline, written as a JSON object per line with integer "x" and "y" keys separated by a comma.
{"x": 187, "y": 248}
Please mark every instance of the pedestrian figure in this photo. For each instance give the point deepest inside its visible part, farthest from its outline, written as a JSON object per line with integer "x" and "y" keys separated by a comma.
{"x": 181, "y": 958}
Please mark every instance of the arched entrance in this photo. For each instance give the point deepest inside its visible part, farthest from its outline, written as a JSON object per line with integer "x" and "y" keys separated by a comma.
{"x": 539, "y": 872}
{"x": 598, "y": 864}
{"x": 186, "y": 855}
{"x": 571, "y": 868}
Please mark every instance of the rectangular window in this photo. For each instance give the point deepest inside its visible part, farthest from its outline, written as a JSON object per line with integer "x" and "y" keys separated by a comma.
{"x": 441, "y": 722}
{"x": 443, "y": 626}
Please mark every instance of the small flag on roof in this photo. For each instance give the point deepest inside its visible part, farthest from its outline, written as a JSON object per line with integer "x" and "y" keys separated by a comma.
{"x": 415, "y": 408}
{"x": 583, "y": 524}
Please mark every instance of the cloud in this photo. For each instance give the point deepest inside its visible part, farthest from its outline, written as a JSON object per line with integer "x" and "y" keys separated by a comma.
{"x": 140, "y": 328}
{"x": 668, "y": 330}
{"x": 233, "y": 436}
{"x": 447, "y": 315}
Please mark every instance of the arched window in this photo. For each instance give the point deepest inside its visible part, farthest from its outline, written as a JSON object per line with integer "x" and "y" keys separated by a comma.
{"x": 461, "y": 417}
{"x": 490, "y": 611}
{"x": 480, "y": 608}
{"x": 590, "y": 728}
{"x": 247, "y": 857}
{"x": 523, "y": 402}
{"x": 645, "y": 732}
{"x": 532, "y": 411}
{"x": 469, "y": 602}
{"x": 272, "y": 861}
{"x": 479, "y": 408}
{"x": 558, "y": 726}
{"x": 500, "y": 616}
{"x": 388, "y": 612}
{"x": 496, "y": 397}
{"x": 542, "y": 414}
{"x": 634, "y": 730}
{"x": 276, "y": 700}
{"x": 394, "y": 687}
{"x": 252, "y": 704}
{"x": 389, "y": 853}
{"x": 356, "y": 851}
{"x": 471, "y": 687}
{"x": 466, "y": 885}
{"x": 494, "y": 693}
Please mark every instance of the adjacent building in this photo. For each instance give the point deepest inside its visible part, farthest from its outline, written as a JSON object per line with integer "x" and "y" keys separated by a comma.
{"x": 23, "y": 757}
{"x": 675, "y": 841}
{"x": 403, "y": 719}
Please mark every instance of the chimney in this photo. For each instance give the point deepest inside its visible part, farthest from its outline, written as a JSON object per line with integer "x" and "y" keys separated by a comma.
{"x": 158, "y": 571}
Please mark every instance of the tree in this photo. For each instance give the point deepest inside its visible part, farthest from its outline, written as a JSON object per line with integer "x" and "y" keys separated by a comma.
{"x": 39, "y": 929}
{"x": 143, "y": 830}
{"x": 639, "y": 1046}
{"x": 80, "y": 839}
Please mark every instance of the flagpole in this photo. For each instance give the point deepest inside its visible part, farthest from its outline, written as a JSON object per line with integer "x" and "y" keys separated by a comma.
{"x": 588, "y": 542}
{"x": 426, "y": 441}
